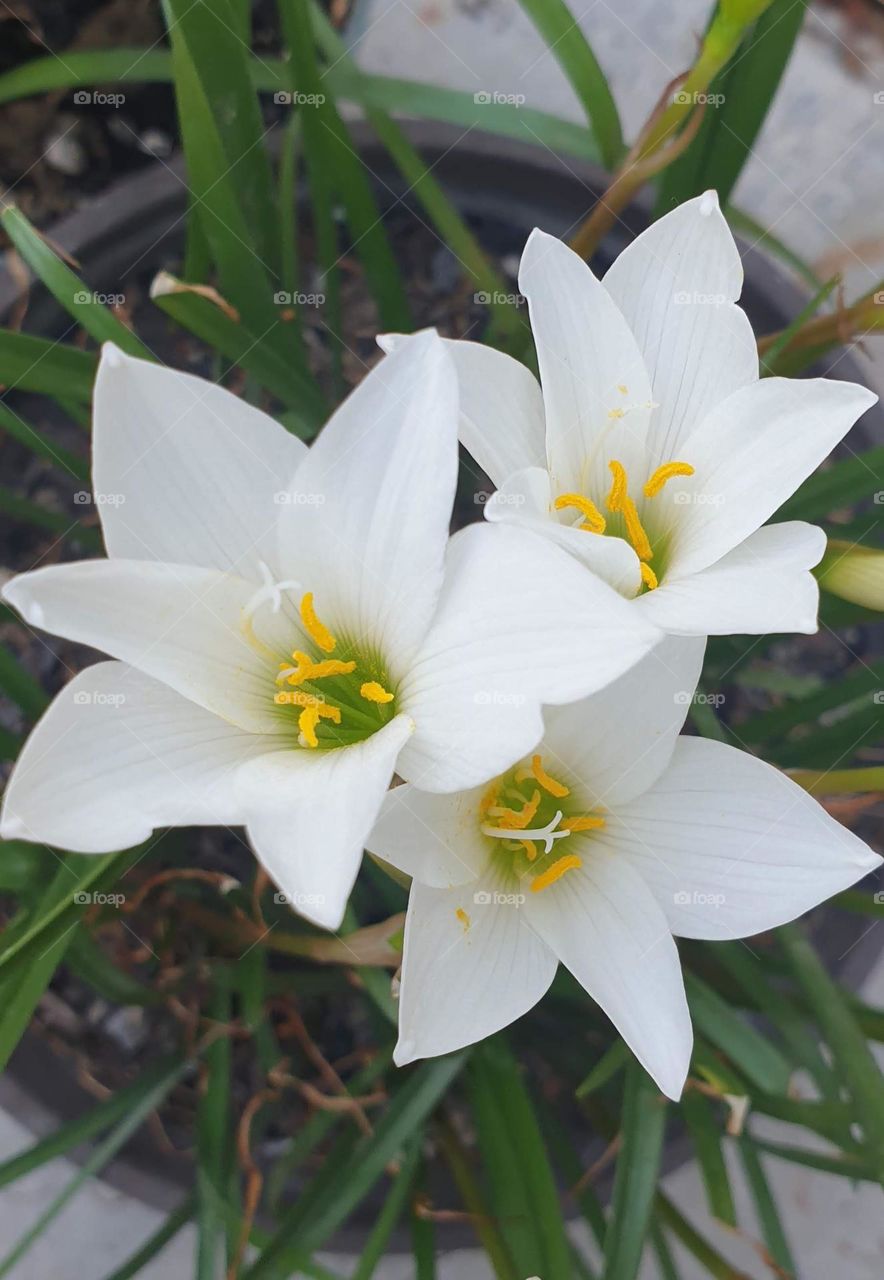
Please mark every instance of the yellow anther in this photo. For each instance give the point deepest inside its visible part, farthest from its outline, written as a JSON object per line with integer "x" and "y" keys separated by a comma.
{"x": 585, "y": 822}
{"x": 622, "y": 388}
{"x": 374, "y": 692}
{"x": 463, "y": 918}
{"x": 310, "y": 717}
{"x": 549, "y": 784}
{"x": 530, "y": 849}
{"x": 617, "y": 494}
{"x": 318, "y": 633}
{"x": 306, "y": 669}
{"x": 593, "y": 520}
{"x": 664, "y": 473}
{"x": 517, "y": 819}
{"x": 616, "y": 413}
{"x": 649, "y": 578}
{"x": 560, "y": 867}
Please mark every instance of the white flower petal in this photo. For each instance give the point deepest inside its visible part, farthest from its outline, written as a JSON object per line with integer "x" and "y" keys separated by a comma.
{"x": 433, "y": 838}
{"x": 618, "y": 741}
{"x": 763, "y": 585}
{"x": 118, "y": 754}
{"x": 604, "y": 925}
{"x": 307, "y": 814}
{"x": 463, "y": 980}
{"x": 749, "y": 455}
{"x": 367, "y": 521}
{"x": 519, "y": 624}
{"x": 526, "y": 500}
{"x": 596, "y": 390}
{"x": 676, "y": 285}
{"x": 501, "y": 407}
{"x": 730, "y": 846}
{"x": 180, "y": 624}
{"x": 184, "y": 471}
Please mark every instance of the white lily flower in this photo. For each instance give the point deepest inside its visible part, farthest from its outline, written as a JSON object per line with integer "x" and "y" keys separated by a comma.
{"x": 290, "y": 625}
{"x": 654, "y": 453}
{"x": 612, "y": 836}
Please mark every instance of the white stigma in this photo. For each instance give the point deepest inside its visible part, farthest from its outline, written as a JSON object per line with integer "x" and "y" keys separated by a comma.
{"x": 271, "y": 590}
{"x": 547, "y": 834}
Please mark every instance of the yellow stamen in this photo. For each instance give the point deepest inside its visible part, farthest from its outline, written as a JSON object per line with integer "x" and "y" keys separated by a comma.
{"x": 570, "y": 862}
{"x": 617, "y": 495}
{"x": 593, "y": 520}
{"x": 549, "y": 784}
{"x": 318, "y": 633}
{"x": 374, "y": 692}
{"x": 664, "y": 473}
{"x": 310, "y": 717}
{"x": 585, "y": 822}
{"x": 616, "y": 413}
{"x": 463, "y": 918}
{"x": 306, "y": 669}
{"x": 635, "y": 531}
{"x": 517, "y": 820}
{"x": 530, "y": 849}
{"x": 622, "y": 388}
{"x": 649, "y": 578}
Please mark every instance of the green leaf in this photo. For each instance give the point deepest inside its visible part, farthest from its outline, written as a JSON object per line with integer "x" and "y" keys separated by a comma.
{"x": 333, "y": 162}
{"x": 642, "y": 1129}
{"x": 156, "y": 1243}
{"x": 20, "y": 685}
{"x": 144, "y": 1099}
{"x": 859, "y": 478}
{"x": 16, "y": 507}
{"x": 15, "y": 426}
{"x": 342, "y": 1184}
{"x": 67, "y": 287}
{"x": 608, "y": 1065}
{"x": 564, "y": 38}
{"x": 91, "y": 964}
{"x": 706, "y": 1133}
{"x": 771, "y": 354}
{"x": 716, "y": 156}
{"x": 846, "y": 1041}
{"x": 85, "y": 1127}
{"x": 755, "y": 1056}
{"x": 705, "y": 1253}
{"x": 743, "y": 224}
{"x": 394, "y": 1203}
{"x": 765, "y": 1206}
{"x": 523, "y": 1188}
{"x": 51, "y": 368}
{"x": 241, "y": 346}
{"x": 858, "y": 687}
{"x": 23, "y": 866}
{"x": 213, "y": 1134}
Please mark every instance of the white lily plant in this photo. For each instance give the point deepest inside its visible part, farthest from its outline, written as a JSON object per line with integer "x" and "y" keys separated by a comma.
{"x": 290, "y": 626}
{"x": 654, "y": 453}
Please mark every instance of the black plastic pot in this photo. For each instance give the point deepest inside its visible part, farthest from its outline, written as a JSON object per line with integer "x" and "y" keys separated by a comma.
{"x": 504, "y": 188}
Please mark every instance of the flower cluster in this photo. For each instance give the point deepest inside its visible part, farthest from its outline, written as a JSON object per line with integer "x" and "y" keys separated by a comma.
{"x": 290, "y": 628}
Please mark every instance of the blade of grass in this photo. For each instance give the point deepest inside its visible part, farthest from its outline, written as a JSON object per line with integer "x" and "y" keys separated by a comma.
{"x": 156, "y": 1243}
{"x": 49, "y": 367}
{"x": 564, "y": 38}
{"x": 20, "y": 430}
{"x": 612, "y": 1061}
{"x": 394, "y": 1204}
{"x": 144, "y": 1100}
{"x": 846, "y": 1041}
{"x": 755, "y": 1056}
{"x": 706, "y": 1135}
{"x": 213, "y": 1134}
{"x": 638, "y": 1169}
{"x": 67, "y": 287}
{"x": 700, "y": 1248}
{"x": 487, "y": 1230}
{"x": 765, "y": 1206}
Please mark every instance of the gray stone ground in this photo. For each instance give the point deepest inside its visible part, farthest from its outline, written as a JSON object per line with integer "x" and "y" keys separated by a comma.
{"x": 817, "y": 180}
